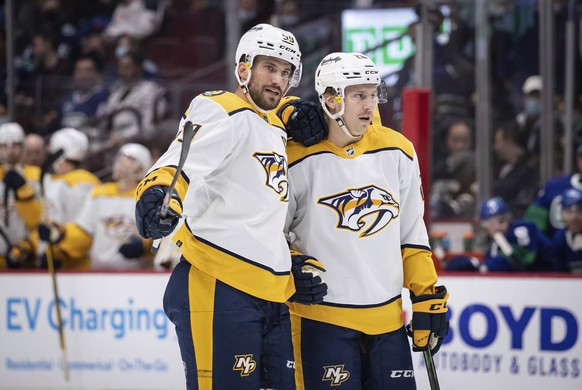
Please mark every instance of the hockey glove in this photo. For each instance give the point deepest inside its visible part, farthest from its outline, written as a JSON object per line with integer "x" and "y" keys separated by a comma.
{"x": 20, "y": 255}
{"x": 17, "y": 183}
{"x": 429, "y": 324}
{"x": 309, "y": 288}
{"x": 150, "y": 223}
{"x": 50, "y": 232}
{"x": 304, "y": 121}
{"x": 133, "y": 248}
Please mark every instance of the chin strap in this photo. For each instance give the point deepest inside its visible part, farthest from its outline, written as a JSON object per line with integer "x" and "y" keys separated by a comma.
{"x": 344, "y": 128}
{"x": 248, "y": 95}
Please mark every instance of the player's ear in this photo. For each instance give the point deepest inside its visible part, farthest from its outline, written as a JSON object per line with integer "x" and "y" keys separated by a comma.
{"x": 242, "y": 70}
{"x": 331, "y": 102}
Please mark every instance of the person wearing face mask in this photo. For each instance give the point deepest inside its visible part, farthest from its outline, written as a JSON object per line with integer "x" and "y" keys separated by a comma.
{"x": 529, "y": 119}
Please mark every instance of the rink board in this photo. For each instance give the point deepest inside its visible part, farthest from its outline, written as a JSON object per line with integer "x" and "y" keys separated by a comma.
{"x": 506, "y": 332}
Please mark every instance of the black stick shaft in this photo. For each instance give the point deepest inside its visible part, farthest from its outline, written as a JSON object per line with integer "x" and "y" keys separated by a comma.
{"x": 431, "y": 370}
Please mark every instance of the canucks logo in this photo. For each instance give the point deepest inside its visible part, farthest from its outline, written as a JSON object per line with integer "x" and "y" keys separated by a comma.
{"x": 366, "y": 210}
{"x": 245, "y": 364}
{"x": 275, "y": 166}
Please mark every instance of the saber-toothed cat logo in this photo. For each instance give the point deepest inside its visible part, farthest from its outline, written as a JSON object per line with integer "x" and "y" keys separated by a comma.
{"x": 275, "y": 167}
{"x": 366, "y": 210}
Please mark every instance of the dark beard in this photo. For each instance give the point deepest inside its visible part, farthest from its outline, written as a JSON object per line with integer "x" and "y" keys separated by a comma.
{"x": 260, "y": 101}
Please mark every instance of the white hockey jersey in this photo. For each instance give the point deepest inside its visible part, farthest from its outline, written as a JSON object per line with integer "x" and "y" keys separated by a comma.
{"x": 108, "y": 219}
{"x": 359, "y": 210}
{"x": 234, "y": 194}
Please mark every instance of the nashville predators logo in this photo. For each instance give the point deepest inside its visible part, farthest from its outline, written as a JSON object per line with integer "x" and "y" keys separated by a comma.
{"x": 335, "y": 374}
{"x": 366, "y": 210}
{"x": 245, "y": 364}
{"x": 275, "y": 166}
{"x": 118, "y": 228}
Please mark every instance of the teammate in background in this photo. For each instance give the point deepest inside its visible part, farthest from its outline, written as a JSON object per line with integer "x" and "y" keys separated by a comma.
{"x": 567, "y": 241}
{"x": 105, "y": 229}
{"x": 20, "y": 209}
{"x": 356, "y": 204}
{"x": 226, "y": 297}
{"x": 516, "y": 245}
{"x": 546, "y": 210}
{"x": 65, "y": 188}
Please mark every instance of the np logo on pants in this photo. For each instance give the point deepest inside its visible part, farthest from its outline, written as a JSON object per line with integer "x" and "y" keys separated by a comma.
{"x": 245, "y": 364}
{"x": 335, "y": 374}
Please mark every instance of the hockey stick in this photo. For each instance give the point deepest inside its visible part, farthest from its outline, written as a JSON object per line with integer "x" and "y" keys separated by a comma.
{"x": 187, "y": 136}
{"x": 431, "y": 369}
{"x": 52, "y": 271}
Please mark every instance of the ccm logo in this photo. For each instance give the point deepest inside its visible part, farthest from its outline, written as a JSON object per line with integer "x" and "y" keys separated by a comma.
{"x": 287, "y": 48}
{"x": 402, "y": 374}
{"x": 437, "y": 306}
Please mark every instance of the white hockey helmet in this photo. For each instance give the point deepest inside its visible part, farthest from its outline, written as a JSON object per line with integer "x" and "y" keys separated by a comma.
{"x": 140, "y": 154}
{"x": 11, "y": 133}
{"x": 73, "y": 142}
{"x": 267, "y": 40}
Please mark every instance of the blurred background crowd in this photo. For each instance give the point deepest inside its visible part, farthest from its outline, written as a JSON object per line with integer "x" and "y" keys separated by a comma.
{"x": 118, "y": 74}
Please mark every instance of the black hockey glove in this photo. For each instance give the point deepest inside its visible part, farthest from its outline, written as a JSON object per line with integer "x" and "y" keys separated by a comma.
{"x": 50, "y": 232}
{"x": 309, "y": 288}
{"x": 133, "y": 248}
{"x": 430, "y": 324}
{"x": 150, "y": 223}
{"x": 304, "y": 121}
{"x": 17, "y": 183}
{"x": 20, "y": 255}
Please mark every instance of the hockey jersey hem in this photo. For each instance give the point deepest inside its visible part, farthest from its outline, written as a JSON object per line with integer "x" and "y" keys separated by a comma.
{"x": 233, "y": 269}
{"x": 369, "y": 320}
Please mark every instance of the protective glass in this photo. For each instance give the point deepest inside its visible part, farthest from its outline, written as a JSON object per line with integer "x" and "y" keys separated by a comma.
{"x": 380, "y": 96}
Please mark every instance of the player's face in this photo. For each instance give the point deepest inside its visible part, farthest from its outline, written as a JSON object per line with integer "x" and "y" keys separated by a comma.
{"x": 11, "y": 154}
{"x": 360, "y": 103}
{"x": 269, "y": 80}
{"x": 495, "y": 224}
{"x": 125, "y": 167}
{"x": 573, "y": 219}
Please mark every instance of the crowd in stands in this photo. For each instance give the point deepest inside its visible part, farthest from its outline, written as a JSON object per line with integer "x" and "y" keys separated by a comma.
{"x": 101, "y": 69}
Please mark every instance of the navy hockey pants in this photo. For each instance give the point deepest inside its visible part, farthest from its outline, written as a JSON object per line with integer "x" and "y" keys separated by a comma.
{"x": 228, "y": 339}
{"x": 330, "y": 356}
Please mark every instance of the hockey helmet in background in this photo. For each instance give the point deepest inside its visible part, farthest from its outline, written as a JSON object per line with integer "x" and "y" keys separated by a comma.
{"x": 72, "y": 142}
{"x": 140, "y": 154}
{"x": 492, "y": 208}
{"x": 267, "y": 40}
{"x": 11, "y": 133}
{"x": 571, "y": 198}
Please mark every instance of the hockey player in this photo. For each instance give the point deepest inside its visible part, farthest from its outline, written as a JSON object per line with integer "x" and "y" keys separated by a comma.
{"x": 545, "y": 211}
{"x": 105, "y": 229}
{"x": 356, "y": 204}
{"x": 226, "y": 297}
{"x": 567, "y": 241}
{"x": 20, "y": 209}
{"x": 516, "y": 245}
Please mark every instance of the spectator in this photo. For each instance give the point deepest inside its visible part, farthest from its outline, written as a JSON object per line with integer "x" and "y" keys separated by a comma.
{"x": 454, "y": 176}
{"x": 88, "y": 99}
{"x": 567, "y": 241}
{"x": 127, "y": 44}
{"x": 19, "y": 207}
{"x": 545, "y": 210}
{"x": 288, "y": 15}
{"x": 515, "y": 181}
{"x": 105, "y": 228}
{"x": 34, "y": 150}
{"x": 516, "y": 245}
{"x": 133, "y": 103}
{"x": 49, "y": 77}
{"x": 133, "y": 18}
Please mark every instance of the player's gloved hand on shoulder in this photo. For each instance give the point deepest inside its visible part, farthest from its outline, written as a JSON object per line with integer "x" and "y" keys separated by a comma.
{"x": 429, "y": 324}
{"x": 50, "y": 232}
{"x": 304, "y": 121}
{"x": 150, "y": 224}
{"x": 309, "y": 288}
{"x": 133, "y": 248}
